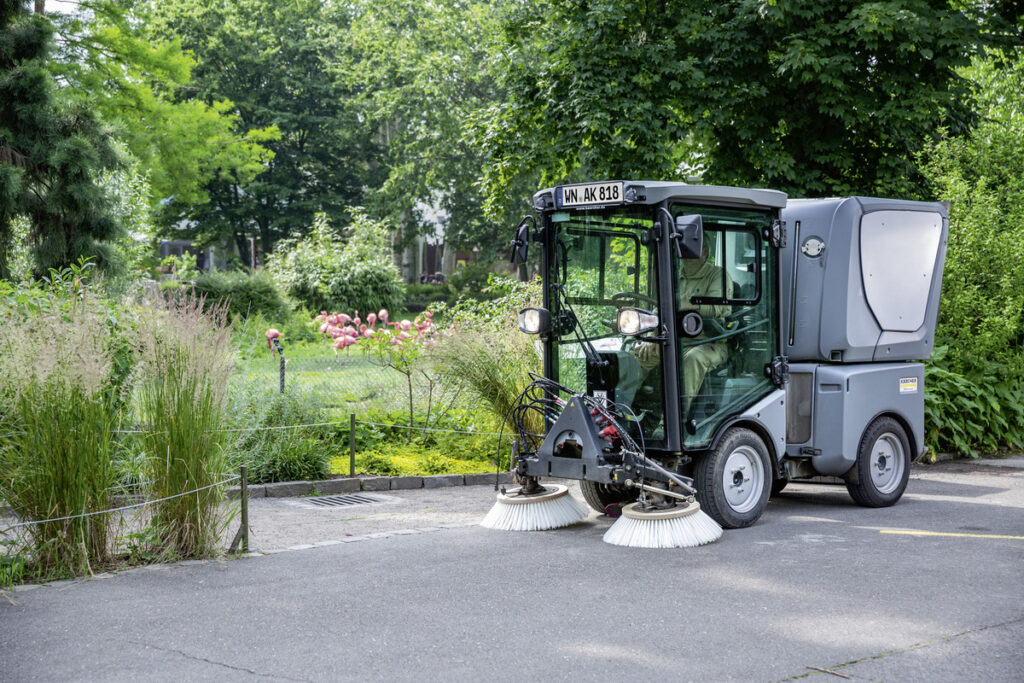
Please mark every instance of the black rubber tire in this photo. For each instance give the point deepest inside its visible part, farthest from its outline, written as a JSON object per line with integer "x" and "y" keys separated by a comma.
{"x": 742, "y": 447}
{"x": 778, "y": 484}
{"x": 884, "y": 442}
{"x": 599, "y": 496}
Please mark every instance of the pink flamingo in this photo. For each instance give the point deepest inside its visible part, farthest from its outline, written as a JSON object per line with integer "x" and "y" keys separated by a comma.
{"x": 383, "y": 315}
{"x": 271, "y": 334}
{"x": 372, "y": 319}
{"x": 356, "y": 320}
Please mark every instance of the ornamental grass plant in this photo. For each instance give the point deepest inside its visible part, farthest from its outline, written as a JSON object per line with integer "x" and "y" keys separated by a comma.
{"x": 57, "y": 416}
{"x": 182, "y": 379}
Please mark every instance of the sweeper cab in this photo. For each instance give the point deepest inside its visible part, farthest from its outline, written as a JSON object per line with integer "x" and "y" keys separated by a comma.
{"x": 703, "y": 346}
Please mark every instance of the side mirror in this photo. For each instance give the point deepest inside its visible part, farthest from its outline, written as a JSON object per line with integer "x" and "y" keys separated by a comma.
{"x": 688, "y": 236}
{"x": 521, "y": 242}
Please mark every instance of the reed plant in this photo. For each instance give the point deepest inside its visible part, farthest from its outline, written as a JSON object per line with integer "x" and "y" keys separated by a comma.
{"x": 494, "y": 364}
{"x": 57, "y": 415}
{"x": 182, "y": 380}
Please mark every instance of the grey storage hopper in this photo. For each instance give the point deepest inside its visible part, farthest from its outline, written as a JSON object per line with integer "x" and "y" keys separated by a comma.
{"x": 861, "y": 279}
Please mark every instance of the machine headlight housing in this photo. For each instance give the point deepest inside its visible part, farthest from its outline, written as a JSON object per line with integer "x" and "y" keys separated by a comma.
{"x": 534, "y": 320}
{"x": 634, "y": 321}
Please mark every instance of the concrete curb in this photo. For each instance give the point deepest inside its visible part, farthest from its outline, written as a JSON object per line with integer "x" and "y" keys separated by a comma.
{"x": 288, "y": 489}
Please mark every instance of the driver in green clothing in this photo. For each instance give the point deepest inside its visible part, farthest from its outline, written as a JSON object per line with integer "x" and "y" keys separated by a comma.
{"x": 697, "y": 277}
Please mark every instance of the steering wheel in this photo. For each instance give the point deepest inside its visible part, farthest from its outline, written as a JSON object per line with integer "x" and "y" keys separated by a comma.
{"x": 620, "y": 298}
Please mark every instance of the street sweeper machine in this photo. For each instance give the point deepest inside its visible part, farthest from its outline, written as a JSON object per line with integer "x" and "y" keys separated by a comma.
{"x": 703, "y": 346}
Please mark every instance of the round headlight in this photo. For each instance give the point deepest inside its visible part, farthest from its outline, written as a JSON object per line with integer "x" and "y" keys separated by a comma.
{"x": 534, "y": 320}
{"x": 629, "y": 321}
{"x": 634, "y": 321}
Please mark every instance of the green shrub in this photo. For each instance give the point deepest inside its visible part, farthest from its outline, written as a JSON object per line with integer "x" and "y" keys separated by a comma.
{"x": 244, "y": 294}
{"x": 324, "y": 271}
{"x": 275, "y": 454}
{"x": 975, "y": 388}
{"x": 419, "y": 297}
{"x": 293, "y": 459}
{"x": 471, "y": 280}
{"x": 966, "y": 413}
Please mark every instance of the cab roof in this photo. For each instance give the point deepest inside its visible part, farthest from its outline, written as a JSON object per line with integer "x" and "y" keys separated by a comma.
{"x": 651, "y": 192}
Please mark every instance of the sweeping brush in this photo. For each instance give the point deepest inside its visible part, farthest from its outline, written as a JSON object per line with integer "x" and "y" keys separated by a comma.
{"x": 552, "y": 508}
{"x": 678, "y": 527}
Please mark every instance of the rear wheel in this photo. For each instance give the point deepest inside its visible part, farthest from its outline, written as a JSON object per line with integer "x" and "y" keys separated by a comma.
{"x": 880, "y": 475}
{"x": 734, "y": 480}
{"x": 600, "y": 496}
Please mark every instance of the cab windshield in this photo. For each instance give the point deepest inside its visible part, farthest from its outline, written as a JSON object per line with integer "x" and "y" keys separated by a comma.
{"x": 605, "y": 260}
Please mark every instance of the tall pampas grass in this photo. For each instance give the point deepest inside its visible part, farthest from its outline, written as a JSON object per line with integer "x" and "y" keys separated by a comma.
{"x": 494, "y": 364}
{"x": 182, "y": 383}
{"x": 57, "y": 415}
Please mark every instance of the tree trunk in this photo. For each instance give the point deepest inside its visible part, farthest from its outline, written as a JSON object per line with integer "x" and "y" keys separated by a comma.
{"x": 40, "y": 6}
{"x": 242, "y": 245}
{"x": 448, "y": 259}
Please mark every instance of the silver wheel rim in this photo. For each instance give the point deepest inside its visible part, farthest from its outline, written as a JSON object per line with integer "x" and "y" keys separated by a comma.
{"x": 887, "y": 462}
{"x": 743, "y": 479}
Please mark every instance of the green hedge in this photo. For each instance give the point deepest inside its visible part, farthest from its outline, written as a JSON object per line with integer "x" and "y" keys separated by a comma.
{"x": 246, "y": 294}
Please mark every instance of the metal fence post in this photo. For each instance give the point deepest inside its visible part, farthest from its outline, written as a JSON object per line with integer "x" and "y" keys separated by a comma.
{"x": 351, "y": 444}
{"x": 242, "y": 537}
{"x": 280, "y": 353}
{"x": 244, "y": 485}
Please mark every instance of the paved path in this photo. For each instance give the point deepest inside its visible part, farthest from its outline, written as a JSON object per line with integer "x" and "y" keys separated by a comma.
{"x": 394, "y": 594}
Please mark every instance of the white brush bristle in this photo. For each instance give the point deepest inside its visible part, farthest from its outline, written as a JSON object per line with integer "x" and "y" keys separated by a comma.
{"x": 679, "y": 532}
{"x": 544, "y": 514}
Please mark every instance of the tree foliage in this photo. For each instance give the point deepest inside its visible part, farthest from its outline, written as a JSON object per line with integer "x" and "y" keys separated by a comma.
{"x": 976, "y": 376}
{"x": 808, "y": 97}
{"x": 421, "y": 70}
{"x": 106, "y": 60}
{"x": 328, "y": 271}
{"x": 982, "y": 176}
{"x": 270, "y": 60}
{"x": 51, "y": 153}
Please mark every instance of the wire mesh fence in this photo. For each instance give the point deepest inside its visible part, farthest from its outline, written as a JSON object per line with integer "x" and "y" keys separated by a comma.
{"x": 349, "y": 383}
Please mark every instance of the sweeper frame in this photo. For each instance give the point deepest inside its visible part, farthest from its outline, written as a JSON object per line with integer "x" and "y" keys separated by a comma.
{"x": 707, "y": 345}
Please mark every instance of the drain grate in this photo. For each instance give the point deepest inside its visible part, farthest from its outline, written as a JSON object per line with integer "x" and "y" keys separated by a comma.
{"x": 347, "y": 500}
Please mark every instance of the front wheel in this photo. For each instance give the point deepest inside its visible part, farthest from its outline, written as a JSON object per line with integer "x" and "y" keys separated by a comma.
{"x": 880, "y": 475}
{"x": 734, "y": 480}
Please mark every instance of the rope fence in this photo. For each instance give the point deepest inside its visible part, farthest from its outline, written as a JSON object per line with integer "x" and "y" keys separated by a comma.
{"x": 334, "y": 423}
{"x": 124, "y": 507}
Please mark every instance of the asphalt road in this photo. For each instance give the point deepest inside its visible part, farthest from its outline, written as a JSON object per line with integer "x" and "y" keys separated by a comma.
{"x": 392, "y": 594}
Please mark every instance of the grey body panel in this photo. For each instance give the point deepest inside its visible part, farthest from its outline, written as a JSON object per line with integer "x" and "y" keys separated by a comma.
{"x": 861, "y": 278}
{"x": 659, "y": 191}
{"x": 770, "y": 414}
{"x": 845, "y": 399}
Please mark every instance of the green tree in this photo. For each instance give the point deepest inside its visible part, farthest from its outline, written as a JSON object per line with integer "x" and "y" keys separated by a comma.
{"x": 982, "y": 176}
{"x": 421, "y": 70}
{"x": 51, "y": 153}
{"x": 106, "y": 61}
{"x": 809, "y": 97}
{"x": 270, "y": 59}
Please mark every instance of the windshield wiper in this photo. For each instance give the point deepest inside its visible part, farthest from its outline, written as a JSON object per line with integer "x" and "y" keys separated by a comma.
{"x": 593, "y": 359}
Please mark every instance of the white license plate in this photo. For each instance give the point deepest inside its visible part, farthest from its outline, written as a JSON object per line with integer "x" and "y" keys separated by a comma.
{"x": 589, "y": 195}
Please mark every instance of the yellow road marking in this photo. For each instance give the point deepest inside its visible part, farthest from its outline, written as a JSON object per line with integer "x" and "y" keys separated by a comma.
{"x": 940, "y": 533}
